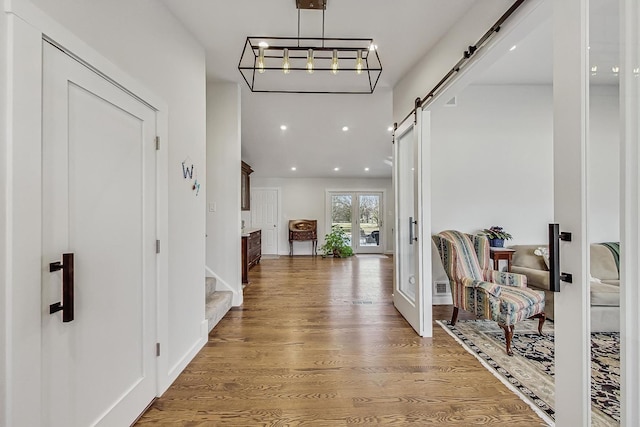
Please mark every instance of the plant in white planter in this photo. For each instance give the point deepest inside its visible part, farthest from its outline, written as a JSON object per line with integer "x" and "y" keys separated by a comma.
{"x": 496, "y": 236}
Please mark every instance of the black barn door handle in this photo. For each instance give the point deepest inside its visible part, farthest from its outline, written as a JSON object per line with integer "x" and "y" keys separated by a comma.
{"x": 67, "y": 287}
{"x": 555, "y": 276}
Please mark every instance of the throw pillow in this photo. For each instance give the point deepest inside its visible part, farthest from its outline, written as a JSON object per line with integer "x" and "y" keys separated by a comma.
{"x": 544, "y": 253}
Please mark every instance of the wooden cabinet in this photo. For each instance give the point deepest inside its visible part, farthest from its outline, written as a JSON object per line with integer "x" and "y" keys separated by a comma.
{"x": 251, "y": 251}
{"x": 245, "y": 187}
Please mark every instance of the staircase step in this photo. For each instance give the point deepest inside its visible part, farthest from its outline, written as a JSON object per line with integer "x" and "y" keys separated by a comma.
{"x": 210, "y": 285}
{"x": 218, "y": 303}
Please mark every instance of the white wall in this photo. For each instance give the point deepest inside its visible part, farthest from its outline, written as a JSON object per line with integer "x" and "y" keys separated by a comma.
{"x": 146, "y": 42}
{"x": 492, "y": 162}
{"x": 445, "y": 54}
{"x": 492, "y": 124}
{"x": 603, "y": 175}
{"x": 223, "y": 185}
{"x": 305, "y": 198}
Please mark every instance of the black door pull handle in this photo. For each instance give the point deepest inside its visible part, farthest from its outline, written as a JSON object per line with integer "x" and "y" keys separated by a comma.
{"x": 66, "y": 305}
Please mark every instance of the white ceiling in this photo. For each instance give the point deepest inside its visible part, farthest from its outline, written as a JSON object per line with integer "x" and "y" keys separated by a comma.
{"x": 314, "y": 142}
{"x": 531, "y": 62}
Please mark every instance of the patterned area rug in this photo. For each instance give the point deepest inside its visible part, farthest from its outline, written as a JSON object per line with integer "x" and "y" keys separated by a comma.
{"x": 530, "y": 371}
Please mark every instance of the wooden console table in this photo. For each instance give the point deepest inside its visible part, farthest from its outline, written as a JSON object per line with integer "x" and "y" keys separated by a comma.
{"x": 301, "y": 230}
{"x": 501, "y": 253}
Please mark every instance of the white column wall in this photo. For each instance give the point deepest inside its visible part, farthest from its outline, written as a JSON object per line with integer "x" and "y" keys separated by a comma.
{"x": 3, "y": 215}
{"x": 223, "y": 184}
{"x": 571, "y": 102}
{"x": 630, "y": 218}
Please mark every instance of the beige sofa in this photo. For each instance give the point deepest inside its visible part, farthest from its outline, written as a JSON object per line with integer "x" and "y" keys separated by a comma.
{"x": 604, "y": 286}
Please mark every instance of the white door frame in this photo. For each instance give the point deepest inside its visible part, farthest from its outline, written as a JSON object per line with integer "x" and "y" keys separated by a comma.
{"x": 27, "y": 26}
{"x": 629, "y": 215}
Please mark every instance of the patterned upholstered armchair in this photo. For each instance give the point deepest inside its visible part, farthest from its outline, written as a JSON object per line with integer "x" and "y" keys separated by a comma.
{"x": 489, "y": 294}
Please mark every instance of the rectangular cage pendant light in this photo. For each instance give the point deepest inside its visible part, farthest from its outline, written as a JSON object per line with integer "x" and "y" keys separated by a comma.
{"x": 310, "y": 64}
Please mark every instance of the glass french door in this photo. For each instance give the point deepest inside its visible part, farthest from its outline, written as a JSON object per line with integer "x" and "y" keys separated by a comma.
{"x": 359, "y": 214}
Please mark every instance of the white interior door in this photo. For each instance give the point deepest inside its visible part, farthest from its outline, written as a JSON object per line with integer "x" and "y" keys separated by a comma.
{"x": 264, "y": 215}
{"x": 99, "y": 203}
{"x": 408, "y": 286}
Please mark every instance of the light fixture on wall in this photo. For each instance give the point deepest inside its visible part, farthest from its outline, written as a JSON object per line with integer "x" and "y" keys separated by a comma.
{"x": 284, "y": 64}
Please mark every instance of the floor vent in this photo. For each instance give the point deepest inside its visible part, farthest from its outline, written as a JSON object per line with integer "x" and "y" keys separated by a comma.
{"x": 441, "y": 288}
{"x": 362, "y": 302}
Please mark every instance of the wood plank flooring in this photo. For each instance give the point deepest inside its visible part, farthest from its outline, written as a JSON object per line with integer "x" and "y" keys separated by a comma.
{"x": 319, "y": 342}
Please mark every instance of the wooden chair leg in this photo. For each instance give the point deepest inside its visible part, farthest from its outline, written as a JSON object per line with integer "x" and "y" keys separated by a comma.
{"x": 454, "y": 317}
{"x": 541, "y": 318}
{"x": 508, "y": 334}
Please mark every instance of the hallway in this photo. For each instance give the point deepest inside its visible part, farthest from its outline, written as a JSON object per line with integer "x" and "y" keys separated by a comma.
{"x": 318, "y": 342}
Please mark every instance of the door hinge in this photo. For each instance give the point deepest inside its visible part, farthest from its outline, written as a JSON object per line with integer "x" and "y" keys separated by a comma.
{"x": 157, "y": 142}
{"x": 157, "y": 349}
{"x": 157, "y": 246}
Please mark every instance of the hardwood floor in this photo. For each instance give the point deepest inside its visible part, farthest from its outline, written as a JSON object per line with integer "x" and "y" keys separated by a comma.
{"x": 319, "y": 342}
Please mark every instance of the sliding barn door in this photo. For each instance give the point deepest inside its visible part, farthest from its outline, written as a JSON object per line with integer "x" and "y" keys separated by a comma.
{"x": 408, "y": 294}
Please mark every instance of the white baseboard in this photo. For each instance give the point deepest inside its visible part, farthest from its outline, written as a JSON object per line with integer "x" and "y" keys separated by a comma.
{"x": 182, "y": 363}
{"x": 442, "y": 300}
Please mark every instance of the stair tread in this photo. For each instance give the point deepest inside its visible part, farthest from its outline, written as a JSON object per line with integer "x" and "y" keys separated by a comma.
{"x": 217, "y": 304}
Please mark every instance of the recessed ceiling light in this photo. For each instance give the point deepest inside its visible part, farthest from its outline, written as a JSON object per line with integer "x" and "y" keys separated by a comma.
{"x": 366, "y": 169}
{"x": 336, "y": 169}
{"x": 283, "y": 127}
{"x": 294, "y": 168}
{"x": 513, "y": 48}
{"x": 390, "y": 128}
{"x": 345, "y": 128}
{"x": 615, "y": 69}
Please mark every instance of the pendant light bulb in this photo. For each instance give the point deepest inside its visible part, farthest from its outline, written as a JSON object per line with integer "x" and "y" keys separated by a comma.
{"x": 261, "y": 59}
{"x": 359, "y": 64}
{"x": 334, "y": 62}
{"x": 285, "y": 62}
{"x": 310, "y": 61}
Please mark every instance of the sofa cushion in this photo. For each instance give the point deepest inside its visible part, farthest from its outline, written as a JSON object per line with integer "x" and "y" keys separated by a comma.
{"x": 615, "y": 282}
{"x": 603, "y": 265}
{"x": 524, "y": 257}
{"x": 603, "y": 294}
{"x": 535, "y": 278}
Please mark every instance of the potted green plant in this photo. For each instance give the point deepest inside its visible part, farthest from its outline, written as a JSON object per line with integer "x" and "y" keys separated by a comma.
{"x": 496, "y": 236}
{"x": 336, "y": 244}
